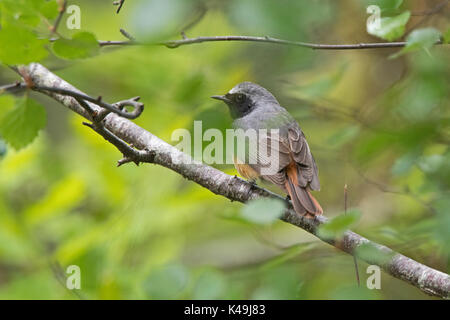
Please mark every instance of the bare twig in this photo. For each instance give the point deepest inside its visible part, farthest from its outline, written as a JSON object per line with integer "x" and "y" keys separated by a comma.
{"x": 13, "y": 87}
{"x": 142, "y": 146}
{"x": 198, "y": 16}
{"x": 116, "y": 43}
{"x": 126, "y": 34}
{"x": 117, "y": 107}
{"x": 355, "y": 262}
{"x": 118, "y": 3}
{"x": 96, "y": 115}
{"x": 178, "y": 43}
{"x": 317, "y": 46}
{"x": 266, "y": 39}
{"x": 62, "y": 4}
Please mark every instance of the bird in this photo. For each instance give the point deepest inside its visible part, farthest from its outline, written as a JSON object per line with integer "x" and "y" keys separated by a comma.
{"x": 253, "y": 107}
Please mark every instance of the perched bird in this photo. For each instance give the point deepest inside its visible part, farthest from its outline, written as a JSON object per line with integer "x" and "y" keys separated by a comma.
{"x": 253, "y": 107}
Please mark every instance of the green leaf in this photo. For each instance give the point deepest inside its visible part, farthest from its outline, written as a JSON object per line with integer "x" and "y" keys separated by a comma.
{"x": 391, "y": 28}
{"x": 263, "y": 210}
{"x": 82, "y": 45}
{"x": 338, "y": 225}
{"x": 20, "y": 46}
{"x": 419, "y": 39}
{"x": 166, "y": 282}
{"x": 21, "y": 124}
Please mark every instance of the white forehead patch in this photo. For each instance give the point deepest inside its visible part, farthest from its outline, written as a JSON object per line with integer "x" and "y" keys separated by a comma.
{"x": 233, "y": 90}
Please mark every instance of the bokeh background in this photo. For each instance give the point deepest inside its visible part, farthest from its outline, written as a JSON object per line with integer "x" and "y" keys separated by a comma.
{"x": 379, "y": 125}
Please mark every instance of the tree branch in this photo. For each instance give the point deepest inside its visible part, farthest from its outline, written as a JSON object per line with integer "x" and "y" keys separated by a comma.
{"x": 316, "y": 46}
{"x": 139, "y": 145}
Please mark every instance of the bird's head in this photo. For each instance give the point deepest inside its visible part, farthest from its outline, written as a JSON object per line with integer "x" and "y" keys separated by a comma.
{"x": 245, "y": 97}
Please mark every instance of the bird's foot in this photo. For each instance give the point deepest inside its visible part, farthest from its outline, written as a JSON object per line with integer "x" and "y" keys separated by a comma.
{"x": 253, "y": 183}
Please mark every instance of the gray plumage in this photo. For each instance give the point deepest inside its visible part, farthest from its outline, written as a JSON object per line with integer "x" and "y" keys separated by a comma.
{"x": 253, "y": 107}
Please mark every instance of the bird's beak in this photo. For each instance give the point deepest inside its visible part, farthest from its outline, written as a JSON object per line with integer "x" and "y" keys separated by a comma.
{"x": 222, "y": 98}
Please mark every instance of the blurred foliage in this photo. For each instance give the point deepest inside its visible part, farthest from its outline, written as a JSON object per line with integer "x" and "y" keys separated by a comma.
{"x": 263, "y": 211}
{"x": 379, "y": 125}
{"x": 338, "y": 225}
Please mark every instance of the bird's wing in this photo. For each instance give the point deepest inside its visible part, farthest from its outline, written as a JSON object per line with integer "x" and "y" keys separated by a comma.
{"x": 308, "y": 173}
{"x": 288, "y": 145}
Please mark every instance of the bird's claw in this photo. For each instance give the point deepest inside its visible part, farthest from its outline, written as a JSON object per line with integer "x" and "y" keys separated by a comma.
{"x": 252, "y": 183}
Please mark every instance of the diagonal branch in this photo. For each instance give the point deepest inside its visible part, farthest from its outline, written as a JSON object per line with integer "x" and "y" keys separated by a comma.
{"x": 139, "y": 145}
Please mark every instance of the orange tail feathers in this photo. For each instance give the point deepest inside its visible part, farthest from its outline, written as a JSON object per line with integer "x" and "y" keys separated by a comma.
{"x": 316, "y": 203}
{"x": 302, "y": 200}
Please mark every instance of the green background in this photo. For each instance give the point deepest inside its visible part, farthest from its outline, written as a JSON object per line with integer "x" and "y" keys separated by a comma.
{"x": 379, "y": 125}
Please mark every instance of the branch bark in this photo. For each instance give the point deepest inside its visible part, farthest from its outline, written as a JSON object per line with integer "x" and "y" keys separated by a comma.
{"x": 316, "y": 46}
{"x": 140, "y": 145}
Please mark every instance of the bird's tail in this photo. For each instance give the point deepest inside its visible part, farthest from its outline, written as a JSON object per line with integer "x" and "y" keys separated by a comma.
{"x": 302, "y": 200}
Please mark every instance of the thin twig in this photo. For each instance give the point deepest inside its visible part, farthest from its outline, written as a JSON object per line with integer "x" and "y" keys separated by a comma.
{"x": 355, "y": 262}
{"x": 126, "y": 34}
{"x": 200, "y": 14}
{"x": 316, "y": 46}
{"x": 115, "y": 43}
{"x": 178, "y": 43}
{"x": 118, "y": 3}
{"x": 61, "y": 9}
{"x": 117, "y": 107}
{"x": 13, "y": 87}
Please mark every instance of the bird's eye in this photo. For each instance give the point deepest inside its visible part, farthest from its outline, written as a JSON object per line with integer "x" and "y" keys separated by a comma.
{"x": 240, "y": 97}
